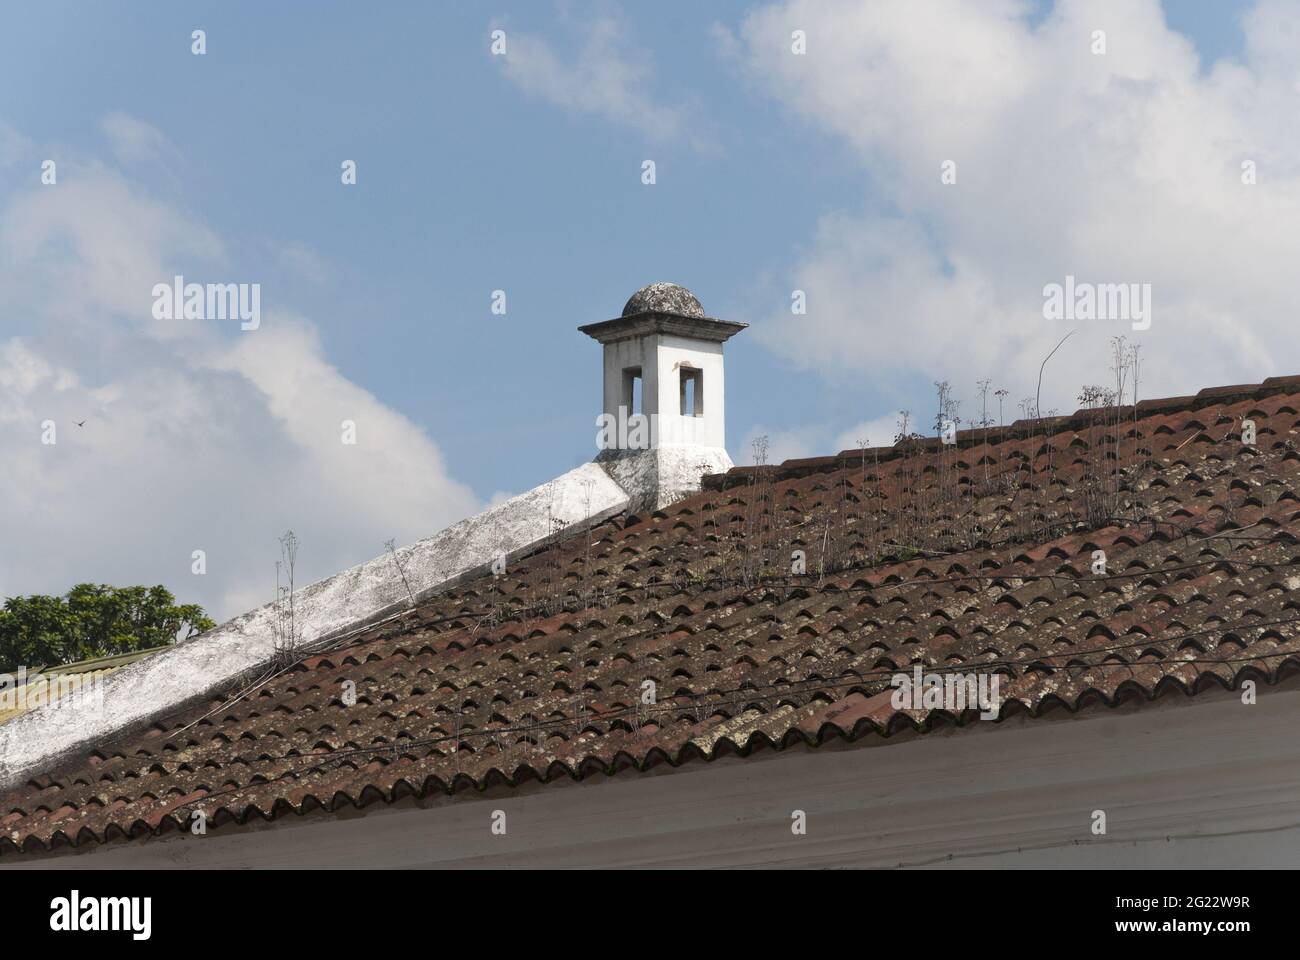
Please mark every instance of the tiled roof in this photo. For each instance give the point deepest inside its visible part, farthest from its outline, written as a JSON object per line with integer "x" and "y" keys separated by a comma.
{"x": 971, "y": 557}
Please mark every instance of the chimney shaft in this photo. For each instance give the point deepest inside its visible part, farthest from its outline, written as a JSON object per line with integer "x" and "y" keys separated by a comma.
{"x": 663, "y": 398}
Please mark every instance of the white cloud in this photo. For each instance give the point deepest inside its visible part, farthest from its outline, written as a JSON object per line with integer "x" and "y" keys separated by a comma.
{"x": 196, "y": 436}
{"x": 498, "y": 497}
{"x": 782, "y": 445}
{"x": 879, "y": 432}
{"x": 608, "y": 76}
{"x": 818, "y": 439}
{"x": 133, "y": 141}
{"x": 94, "y": 245}
{"x": 1123, "y": 167}
{"x": 12, "y": 146}
{"x": 303, "y": 260}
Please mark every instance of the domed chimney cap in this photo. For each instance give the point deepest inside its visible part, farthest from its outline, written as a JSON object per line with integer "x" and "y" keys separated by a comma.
{"x": 667, "y": 298}
{"x": 662, "y": 308}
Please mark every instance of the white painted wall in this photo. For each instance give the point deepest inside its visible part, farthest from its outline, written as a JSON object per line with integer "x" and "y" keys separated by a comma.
{"x": 659, "y": 357}
{"x": 617, "y": 357}
{"x": 675, "y": 430}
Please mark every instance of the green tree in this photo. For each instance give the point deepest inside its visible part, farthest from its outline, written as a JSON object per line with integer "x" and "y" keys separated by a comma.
{"x": 93, "y": 620}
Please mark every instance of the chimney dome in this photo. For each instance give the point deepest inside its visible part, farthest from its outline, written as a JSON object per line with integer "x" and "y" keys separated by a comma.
{"x": 663, "y": 298}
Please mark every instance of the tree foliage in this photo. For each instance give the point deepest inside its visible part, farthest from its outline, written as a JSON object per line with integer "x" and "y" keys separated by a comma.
{"x": 93, "y": 620}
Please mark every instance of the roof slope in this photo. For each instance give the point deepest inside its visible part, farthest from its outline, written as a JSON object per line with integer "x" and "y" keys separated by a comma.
{"x": 972, "y": 557}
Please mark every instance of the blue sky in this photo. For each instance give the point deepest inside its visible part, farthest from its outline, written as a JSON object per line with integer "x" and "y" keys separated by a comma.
{"x": 465, "y": 185}
{"x": 470, "y": 179}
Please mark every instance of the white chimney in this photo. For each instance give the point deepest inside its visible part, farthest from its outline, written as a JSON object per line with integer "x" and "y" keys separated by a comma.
{"x": 663, "y": 397}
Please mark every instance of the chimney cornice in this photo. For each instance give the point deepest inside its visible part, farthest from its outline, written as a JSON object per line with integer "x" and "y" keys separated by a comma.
{"x": 674, "y": 324}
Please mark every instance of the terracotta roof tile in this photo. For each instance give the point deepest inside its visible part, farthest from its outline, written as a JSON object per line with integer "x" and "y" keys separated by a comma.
{"x": 970, "y": 558}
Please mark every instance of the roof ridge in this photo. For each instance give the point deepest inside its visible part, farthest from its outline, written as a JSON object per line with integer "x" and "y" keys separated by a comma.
{"x": 1083, "y": 417}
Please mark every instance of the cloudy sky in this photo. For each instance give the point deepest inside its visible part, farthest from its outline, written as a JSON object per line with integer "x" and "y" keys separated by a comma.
{"x": 776, "y": 172}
